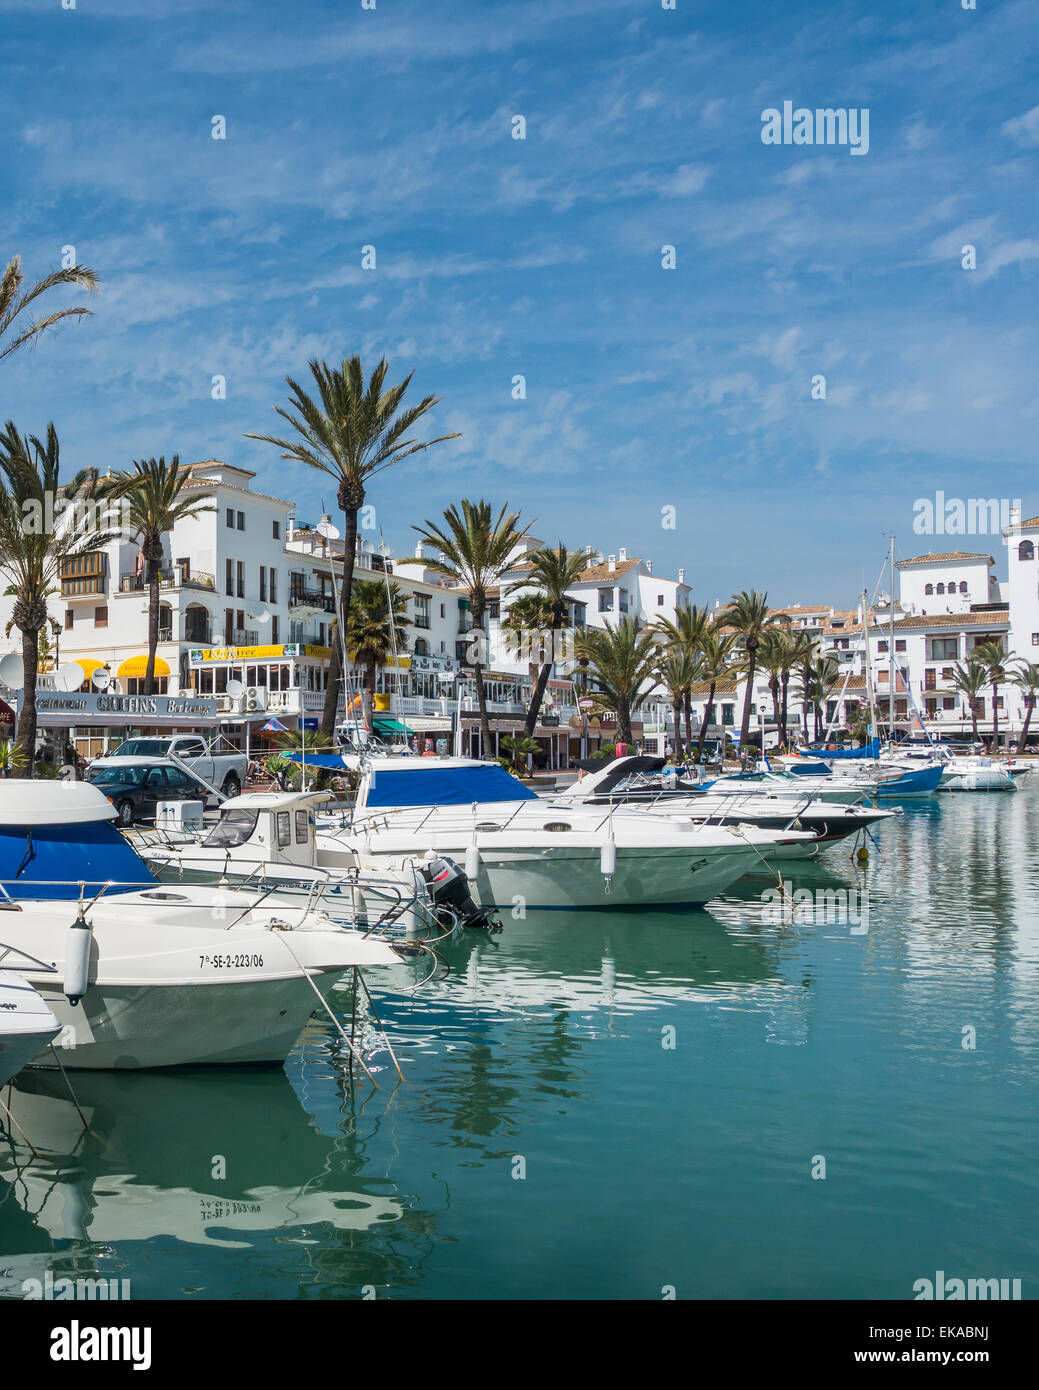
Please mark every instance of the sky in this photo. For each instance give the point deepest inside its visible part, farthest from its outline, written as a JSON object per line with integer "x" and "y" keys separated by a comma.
{"x": 671, "y": 411}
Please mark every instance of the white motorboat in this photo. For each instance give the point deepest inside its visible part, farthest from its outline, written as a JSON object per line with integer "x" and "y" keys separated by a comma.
{"x": 977, "y": 774}
{"x": 267, "y": 840}
{"x": 779, "y": 783}
{"x": 141, "y": 974}
{"x": 27, "y": 1026}
{"x": 644, "y": 782}
{"x": 519, "y": 848}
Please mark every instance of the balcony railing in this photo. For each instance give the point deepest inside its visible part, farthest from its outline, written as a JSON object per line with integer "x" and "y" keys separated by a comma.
{"x": 168, "y": 579}
{"x": 302, "y": 597}
{"x": 422, "y": 620}
{"x": 198, "y": 636}
{"x": 245, "y": 637}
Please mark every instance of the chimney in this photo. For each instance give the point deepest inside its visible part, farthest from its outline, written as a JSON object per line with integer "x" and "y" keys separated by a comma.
{"x": 418, "y": 552}
{"x": 681, "y": 576}
{"x": 622, "y": 554}
{"x": 1015, "y": 513}
{"x": 290, "y": 526}
{"x": 611, "y": 563}
{"x": 649, "y": 566}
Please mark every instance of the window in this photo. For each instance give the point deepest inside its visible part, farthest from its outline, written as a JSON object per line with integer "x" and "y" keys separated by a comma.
{"x": 69, "y": 617}
{"x": 948, "y": 702}
{"x": 263, "y": 583}
{"x": 442, "y": 612}
{"x": 660, "y": 600}
{"x": 276, "y": 530}
{"x": 900, "y": 644}
{"x": 1035, "y": 639}
{"x": 274, "y": 630}
{"x": 1026, "y": 551}
{"x": 727, "y": 713}
{"x": 241, "y": 579}
{"x": 101, "y": 616}
{"x": 230, "y": 518}
{"x": 881, "y": 646}
{"x": 941, "y": 589}
{"x": 928, "y": 588}
{"x": 229, "y": 578}
{"x": 241, "y": 521}
{"x": 191, "y": 748}
{"x": 945, "y": 648}
{"x": 273, "y": 582}
{"x": 963, "y": 586}
{"x": 605, "y": 600}
{"x": 302, "y": 827}
{"x": 284, "y": 830}
{"x": 233, "y": 828}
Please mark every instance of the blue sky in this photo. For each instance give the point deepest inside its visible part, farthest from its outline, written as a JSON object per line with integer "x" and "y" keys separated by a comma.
{"x": 646, "y": 388}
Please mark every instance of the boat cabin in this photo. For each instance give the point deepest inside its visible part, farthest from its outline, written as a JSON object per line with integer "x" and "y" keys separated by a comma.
{"x": 274, "y": 826}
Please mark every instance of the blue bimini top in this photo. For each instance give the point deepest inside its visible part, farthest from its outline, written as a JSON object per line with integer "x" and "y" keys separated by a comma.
{"x": 91, "y": 852}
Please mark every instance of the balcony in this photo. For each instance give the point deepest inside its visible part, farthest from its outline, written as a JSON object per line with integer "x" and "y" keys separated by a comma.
{"x": 168, "y": 579}
{"x": 422, "y": 620}
{"x": 197, "y": 636}
{"x": 84, "y": 576}
{"x": 311, "y": 600}
{"x": 244, "y": 637}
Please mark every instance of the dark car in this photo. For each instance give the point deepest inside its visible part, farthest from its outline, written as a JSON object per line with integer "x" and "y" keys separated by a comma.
{"x": 136, "y": 791}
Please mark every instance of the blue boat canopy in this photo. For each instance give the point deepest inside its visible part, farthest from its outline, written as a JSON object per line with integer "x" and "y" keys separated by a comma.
{"x": 91, "y": 851}
{"x": 333, "y": 761}
{"x": 444, "y": 786}
{"x": 869, "y": 750}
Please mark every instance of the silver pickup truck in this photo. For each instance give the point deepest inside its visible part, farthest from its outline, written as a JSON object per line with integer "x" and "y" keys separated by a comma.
{"x": 224, "y": 770}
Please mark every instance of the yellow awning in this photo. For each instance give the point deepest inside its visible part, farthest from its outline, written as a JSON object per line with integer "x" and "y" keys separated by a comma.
{"x": 138, "y": 666}
{"x": 88, "y": 664}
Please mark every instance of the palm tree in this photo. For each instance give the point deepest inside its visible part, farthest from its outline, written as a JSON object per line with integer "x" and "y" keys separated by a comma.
{"x": 33, "y": 549}
{"x": 1026, "y": 678}
{"x": 155, "y": 502}
{"x": 14, "y": 301}
{"x": 771, "y": 655}
{"x": 823, "y": 676}
{"x": 748, "y": 614}
{"x": 523, "y": 631}
{"x": 793, "y": 646}
{"x": 676, "y": 671}
{"x": 517, "y": 749}
{"x": 350, "y": 432}
{"x": 717, "y": 652}
{"x": 621, "y": 666}
{"x": 685, "y": 634}
{"x": 370, "y": 631}
{"x": 999, "y": 669}
{"x": 553, "y": 572}
{"x": 970, "y": 680}
{"x": 475, "y": 548}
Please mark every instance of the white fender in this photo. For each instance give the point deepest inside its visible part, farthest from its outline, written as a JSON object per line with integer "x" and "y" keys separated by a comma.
{"x": 608, "y": 858}
{"x": 77, "y": 960}
{"x": 472, "y": 862}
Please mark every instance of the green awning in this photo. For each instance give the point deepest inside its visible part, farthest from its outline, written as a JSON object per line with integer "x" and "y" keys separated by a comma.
{"x": 391, "y": 726}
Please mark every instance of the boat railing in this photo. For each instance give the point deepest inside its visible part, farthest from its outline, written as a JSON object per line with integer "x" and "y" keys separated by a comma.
{"x": 7, "y": 950}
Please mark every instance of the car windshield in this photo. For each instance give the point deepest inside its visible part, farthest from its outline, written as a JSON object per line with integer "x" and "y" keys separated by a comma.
{"x": 233, "y": 828}
{"x": 142, "y": 748}
{"x": 127, "y": 776}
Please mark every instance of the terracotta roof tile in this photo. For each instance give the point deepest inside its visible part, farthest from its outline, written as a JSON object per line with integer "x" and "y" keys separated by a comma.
{"x": 942, "y": 558}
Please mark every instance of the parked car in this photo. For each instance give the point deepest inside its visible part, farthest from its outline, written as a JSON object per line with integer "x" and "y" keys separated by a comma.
{"x": 135, "y": 789}
{"x": 224, "y": 770}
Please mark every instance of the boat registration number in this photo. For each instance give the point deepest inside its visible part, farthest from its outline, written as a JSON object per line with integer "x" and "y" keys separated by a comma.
{"x": 239, "y": 962}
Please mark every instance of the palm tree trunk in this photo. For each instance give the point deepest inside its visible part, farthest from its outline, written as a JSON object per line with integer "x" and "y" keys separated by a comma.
{"x": 774, "y": 688}
{"x": 974, "y": 722}
{"x": 476, "y": 609}
{"x": 335, "y": 665}
{"x": 677, "y": 707}
{"x": 784, "y": 708}
{"x": 708, "y": 711}
{"x": 995, "y": 719}
{"x": 688, "y": 700}
{"x": 153, "y": 625}
{"x": 369, "y": 671}
{"x": 1024, "y": 730}
{"x": 624, "y": 721}
{"x": 27, "y": 714}
{"x": 748, "y": 696}
{"x": 537, "y": 696}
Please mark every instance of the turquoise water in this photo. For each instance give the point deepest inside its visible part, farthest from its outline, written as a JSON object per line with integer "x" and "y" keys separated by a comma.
{"x": 644, "y": 1166}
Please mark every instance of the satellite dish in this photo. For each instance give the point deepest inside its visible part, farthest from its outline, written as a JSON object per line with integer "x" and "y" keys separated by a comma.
{"x": 261, "y": 616}
{"x": 101, "y": 678}
{"x": 12, "y": 672}
{"x": 235, "y": 689}
{"x": 68, "y": 677}
{"x": 326, "y": 529}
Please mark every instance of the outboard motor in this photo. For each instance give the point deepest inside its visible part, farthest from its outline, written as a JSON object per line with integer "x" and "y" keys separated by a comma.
{"x": 452, "y": 897}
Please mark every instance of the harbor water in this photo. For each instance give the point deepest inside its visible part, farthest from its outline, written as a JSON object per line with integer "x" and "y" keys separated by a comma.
{"x": 827, "y": 1094}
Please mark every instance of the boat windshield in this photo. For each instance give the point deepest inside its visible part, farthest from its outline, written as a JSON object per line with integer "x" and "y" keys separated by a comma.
{"x": 233, "y": 828}
{"x": 444, "y": 786}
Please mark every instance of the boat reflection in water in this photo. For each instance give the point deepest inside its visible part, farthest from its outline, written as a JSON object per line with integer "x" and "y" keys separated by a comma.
{"x": 194, "y": 1158}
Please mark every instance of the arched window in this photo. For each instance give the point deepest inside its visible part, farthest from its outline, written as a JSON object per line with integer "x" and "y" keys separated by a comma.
{"x": 421, "y": 646}
{"x": 941, "y": 588}
{"x": 1026, "y": 551}
{"x": 928, "y": 588}
{"x": 963, "y": 586}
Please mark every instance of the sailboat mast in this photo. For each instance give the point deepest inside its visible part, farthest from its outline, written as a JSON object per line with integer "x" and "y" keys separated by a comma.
{"x": 891, "y": 653}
